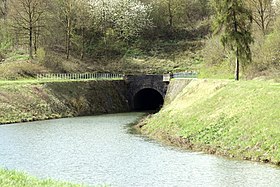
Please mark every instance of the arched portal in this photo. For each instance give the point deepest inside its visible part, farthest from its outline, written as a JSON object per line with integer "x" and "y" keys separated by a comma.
{"x": 148, "y": 99}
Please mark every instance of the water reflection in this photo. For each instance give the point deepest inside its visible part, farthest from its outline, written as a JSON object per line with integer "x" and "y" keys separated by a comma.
{"x": 98, "y": 149}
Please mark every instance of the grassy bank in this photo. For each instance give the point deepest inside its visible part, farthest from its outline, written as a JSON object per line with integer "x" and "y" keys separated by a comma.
{"x": 235, "y": 119}
{"x": 18, "y": 179}
{"x": 29, "y": 101}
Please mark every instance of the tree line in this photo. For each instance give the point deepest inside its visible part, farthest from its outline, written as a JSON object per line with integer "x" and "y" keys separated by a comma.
{"x": 101, "y": 27}
{"x": 79, "y": 23}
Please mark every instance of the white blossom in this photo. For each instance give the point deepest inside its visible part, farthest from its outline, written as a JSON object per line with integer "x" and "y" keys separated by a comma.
{"x": 126, "y": 17}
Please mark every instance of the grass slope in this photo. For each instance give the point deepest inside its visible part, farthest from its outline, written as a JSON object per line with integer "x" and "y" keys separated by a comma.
{"x": 18, "y": 179}
{"x": 236, "y": 119}
{"x": 24, "y": 101}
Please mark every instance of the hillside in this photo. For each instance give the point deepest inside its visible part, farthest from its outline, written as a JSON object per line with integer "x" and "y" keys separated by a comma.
{"x": 172, "y": 56}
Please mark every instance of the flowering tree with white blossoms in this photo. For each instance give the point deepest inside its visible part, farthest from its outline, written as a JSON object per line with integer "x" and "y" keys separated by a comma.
{"x": 123, "y": 18}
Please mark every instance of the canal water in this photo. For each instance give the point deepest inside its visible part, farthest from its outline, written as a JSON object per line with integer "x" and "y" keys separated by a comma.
{"x": 100, "y": 150}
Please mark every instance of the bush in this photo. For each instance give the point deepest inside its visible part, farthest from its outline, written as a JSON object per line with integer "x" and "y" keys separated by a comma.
{"x": 41, "y": 54}
{"x": 214, "y": 52}
{"x": 17, "y": 70}
{"x": 218, "y": 62}
{"x": 266, "y": 55}
{"x": 5, "y": 40}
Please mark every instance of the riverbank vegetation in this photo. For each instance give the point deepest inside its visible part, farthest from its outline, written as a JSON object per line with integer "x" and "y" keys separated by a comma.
{"x": 18, "y": 179}
{"x": 235, "y": 119}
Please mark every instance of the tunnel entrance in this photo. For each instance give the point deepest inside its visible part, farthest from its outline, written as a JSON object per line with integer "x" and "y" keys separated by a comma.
{"x": 148, "y": 99}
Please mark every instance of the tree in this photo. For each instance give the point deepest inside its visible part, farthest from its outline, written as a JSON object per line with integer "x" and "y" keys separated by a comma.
{"x": 127, "y": 18}
{"x": 83, "y": 25}
{"x": 234, "y": 20}
{"x": 168, "y": 11}
{"x": 197, "y": 10}
{"x": 130, "y": 18}
{"x": 67, "y": 9}
{"x": 263, "y": 13}
{"x": 26, "y": 15}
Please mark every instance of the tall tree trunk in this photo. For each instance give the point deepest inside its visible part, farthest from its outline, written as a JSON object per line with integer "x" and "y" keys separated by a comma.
{"x": 68, "y": 29}
{"x": 36, "y": 38}
{"x": 83, "y": 44}
{"x": 68, "y": 37}
{"x": 170, "y": 15}
{"x": 262, "y": 17}
{"x": 30, "y": 34}
{"x": 5, "y": 11}
{"x": 237, "y": 65}
{"x": 16, "y": 40}
{"x": 237, "y": 49}
{"x": 30, "y": 42}
{"x": 103, "y": 20}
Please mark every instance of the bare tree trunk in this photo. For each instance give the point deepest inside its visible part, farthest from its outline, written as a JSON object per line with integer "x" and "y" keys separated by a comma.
{"x": 237, "y": 65}
{"x": 83, "y": 44}
{"x": 104, "y": 19}
{"x": 30, "y": 43}
{"x": 68, "y": 38}
{"x": 16, "y": 40}
{"x": 30, "y": 33}
{"x": 237, "y": 52}
{"x": 5, "y": 11}
{"x": 68, "y": 35}
{"x": 262, "y": 15}
{"x": 170, "y": 15}
{"x": 36, "y": 38}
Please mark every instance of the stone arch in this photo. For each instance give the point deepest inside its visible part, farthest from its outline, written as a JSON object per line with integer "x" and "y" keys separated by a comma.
{"x": 147, "y": 99}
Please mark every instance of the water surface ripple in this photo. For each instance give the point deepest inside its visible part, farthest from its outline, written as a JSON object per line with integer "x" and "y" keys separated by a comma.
{"x": 99, "y": 150}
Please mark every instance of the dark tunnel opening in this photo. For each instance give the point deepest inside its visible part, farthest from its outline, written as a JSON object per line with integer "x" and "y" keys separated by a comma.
{"x": 148, "y": 99}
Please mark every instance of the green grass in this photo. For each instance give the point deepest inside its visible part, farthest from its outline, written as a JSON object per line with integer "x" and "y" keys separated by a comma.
{"x": 18, "y": 179}
{"x": 236, "y": 119}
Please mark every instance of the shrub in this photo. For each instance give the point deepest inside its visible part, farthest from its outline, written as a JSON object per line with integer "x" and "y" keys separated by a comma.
{"x": 41, "y": 54}
{"x": 266, "y": 55}
{"x": 218, "y": 62}
{"x": 17, "y": 70}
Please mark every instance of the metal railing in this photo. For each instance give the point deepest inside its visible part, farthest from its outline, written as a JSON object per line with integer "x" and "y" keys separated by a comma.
{"x": 182, "y": 75}
{"x": 79, "y": 76}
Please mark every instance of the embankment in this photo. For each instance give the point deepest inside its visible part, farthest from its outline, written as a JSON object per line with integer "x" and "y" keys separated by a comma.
{"x": 235, "y": 119}
{"x": 28, "y": 102}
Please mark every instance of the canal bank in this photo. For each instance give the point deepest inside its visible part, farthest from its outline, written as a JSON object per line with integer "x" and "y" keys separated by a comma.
{"x": 24, "y": 102}
{"x": 233, "y": 119}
